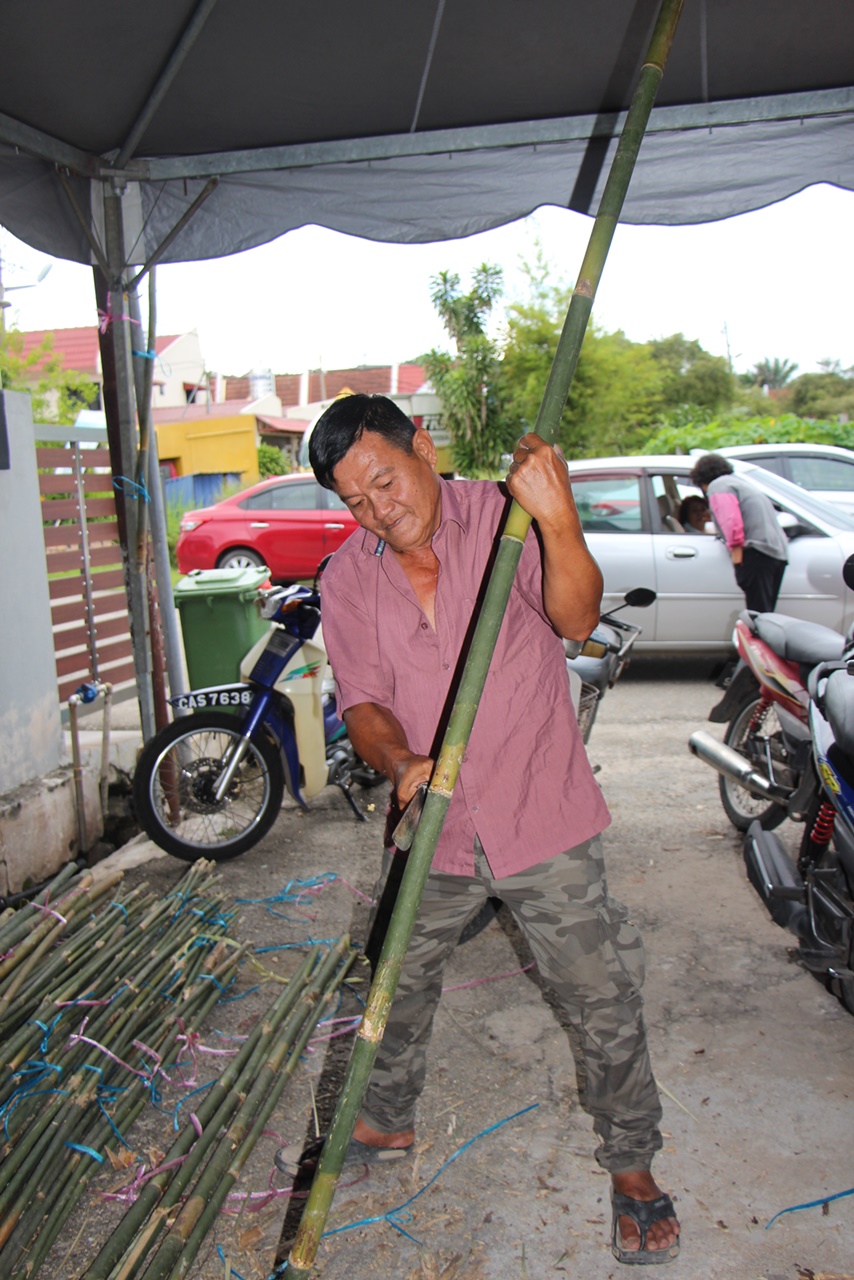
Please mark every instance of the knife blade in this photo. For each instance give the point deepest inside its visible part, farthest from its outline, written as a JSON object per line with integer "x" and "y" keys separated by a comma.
{"x": 404, "y": 832}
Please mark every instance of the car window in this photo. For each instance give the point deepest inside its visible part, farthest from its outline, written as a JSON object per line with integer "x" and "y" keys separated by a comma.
{"x": 608, "y": 504}
{"x": 334, "y": 502}
{"x": 285, "y": 497}
{"x": 830, "y": 474}
{"x": 805, "y": 504}
{"x": 769, "y": 461}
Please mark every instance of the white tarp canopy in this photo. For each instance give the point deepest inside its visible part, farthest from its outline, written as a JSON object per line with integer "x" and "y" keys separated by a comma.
{"x": 403, "y": 122}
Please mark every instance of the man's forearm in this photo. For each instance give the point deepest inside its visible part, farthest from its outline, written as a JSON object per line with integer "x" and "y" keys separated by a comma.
{"x": 378, "y": 737}
{"x": 572, "y": 587}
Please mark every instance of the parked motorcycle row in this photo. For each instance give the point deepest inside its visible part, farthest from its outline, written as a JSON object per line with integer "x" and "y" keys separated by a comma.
{"x": 788, "y": 752}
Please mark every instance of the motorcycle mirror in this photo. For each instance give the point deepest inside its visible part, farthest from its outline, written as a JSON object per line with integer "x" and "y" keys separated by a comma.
{"x": 643, "y": 597}
{"x": 848, "y": 572}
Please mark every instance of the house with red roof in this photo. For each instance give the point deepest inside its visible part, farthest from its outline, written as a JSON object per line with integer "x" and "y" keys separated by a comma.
{"x": 179, "y": 369}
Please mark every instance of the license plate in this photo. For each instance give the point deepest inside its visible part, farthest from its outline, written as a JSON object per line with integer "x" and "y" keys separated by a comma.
{"x": 238, "y": 695}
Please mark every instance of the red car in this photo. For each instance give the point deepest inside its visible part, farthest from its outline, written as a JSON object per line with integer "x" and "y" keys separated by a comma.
{"x": 288, "y": 523}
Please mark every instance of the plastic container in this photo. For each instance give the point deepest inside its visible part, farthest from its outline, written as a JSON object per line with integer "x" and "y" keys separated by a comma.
{"x": 220, "y": 621}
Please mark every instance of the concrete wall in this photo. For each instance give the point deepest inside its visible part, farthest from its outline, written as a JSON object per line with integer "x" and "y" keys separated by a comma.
{"x": 30, "y": 727}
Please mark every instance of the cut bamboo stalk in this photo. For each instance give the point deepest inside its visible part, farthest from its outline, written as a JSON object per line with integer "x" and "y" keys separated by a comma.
{"x": 200, "y": 1209}
{"x": 480, "y": 656}
{"x": 215, "y": 1110}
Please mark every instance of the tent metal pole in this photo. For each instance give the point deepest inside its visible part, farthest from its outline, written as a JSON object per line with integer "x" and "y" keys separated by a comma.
{"x": 188, "y": 38}
{"x": 120, "y": 409}
{"x": 448, "y": 764}
{"x": 207, "y": 190}
{"x": 157, "y": 518}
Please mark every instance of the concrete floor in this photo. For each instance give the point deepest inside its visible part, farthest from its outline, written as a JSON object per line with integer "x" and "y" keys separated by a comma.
{"x": 753, "y": 1056}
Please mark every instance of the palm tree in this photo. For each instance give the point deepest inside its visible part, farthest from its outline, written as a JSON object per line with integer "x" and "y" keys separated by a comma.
{"x": 773, "y": 374}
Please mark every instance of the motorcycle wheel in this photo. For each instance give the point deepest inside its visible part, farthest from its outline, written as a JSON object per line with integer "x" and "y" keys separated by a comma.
{"x": 173, "y": 789}
{"x": 825, "y": 858}
{"x": 740, "y": 806}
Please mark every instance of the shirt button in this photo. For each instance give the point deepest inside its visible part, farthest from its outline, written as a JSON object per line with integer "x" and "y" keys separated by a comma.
{"x": 446, "y": 666}
{"x": 423, "y": 626}
{"x": 474, "y": 808}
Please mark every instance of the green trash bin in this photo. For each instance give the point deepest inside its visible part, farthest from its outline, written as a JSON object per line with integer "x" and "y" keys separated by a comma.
{"x": 220, "y": 621}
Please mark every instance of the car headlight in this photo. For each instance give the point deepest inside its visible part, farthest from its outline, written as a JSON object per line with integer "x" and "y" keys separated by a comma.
{"x": 187, "y": 526}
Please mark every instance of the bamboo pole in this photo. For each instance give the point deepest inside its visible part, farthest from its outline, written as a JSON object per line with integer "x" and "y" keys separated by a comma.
{"x": 477, "y": 666}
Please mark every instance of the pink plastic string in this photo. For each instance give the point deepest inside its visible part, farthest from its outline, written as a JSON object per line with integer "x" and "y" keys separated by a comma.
{"x": 48, "y": 911}
{"x": 148, "y": 1077}
{"x": 106, "y": 318}
{"x": 495, "y": 977}
{"x": 191, "y": 1043}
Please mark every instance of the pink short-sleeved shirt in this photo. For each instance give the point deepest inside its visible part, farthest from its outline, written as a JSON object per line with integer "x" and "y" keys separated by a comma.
{"x": 525, "y": 786}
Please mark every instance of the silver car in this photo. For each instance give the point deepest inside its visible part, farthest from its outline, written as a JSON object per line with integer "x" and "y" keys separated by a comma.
{"x": 629, "y": 509}
{"x": 825, "y": 470}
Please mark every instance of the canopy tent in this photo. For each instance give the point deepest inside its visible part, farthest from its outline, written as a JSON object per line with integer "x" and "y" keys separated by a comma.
{"x": 404, "y": 122}
{"x": 189, "y": 129}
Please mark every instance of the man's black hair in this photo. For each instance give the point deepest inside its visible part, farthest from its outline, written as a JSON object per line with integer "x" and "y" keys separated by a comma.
{"x": 345, "y": 421}
{"x": 709, "y": 468}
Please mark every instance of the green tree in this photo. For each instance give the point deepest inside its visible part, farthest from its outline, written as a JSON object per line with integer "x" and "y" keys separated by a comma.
{"x": 58, "y": 394}
{"x": 690, "y": 375}
{"x": 822, "y": 395}
{"x": 468, "y": 381}
{"x": 615, "y": 394}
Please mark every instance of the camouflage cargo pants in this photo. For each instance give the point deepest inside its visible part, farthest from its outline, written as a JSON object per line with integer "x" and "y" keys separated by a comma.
{"x": 588, "y": 951}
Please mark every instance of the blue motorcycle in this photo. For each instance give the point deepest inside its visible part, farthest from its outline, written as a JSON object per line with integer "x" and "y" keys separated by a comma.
{"x": 211, "y": 784}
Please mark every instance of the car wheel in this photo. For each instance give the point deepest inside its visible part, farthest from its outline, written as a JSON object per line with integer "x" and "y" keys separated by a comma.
{"x": 239, "y": 558}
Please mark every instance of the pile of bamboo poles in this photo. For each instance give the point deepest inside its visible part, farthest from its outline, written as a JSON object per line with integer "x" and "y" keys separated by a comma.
{"x": 99, "y": 994}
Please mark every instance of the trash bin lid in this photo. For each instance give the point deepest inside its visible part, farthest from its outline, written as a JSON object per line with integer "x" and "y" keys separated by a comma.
{"x": 232, "y": 582}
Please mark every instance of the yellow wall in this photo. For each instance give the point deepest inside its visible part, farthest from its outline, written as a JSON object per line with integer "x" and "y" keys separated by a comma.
{"x": 210, "y": 445}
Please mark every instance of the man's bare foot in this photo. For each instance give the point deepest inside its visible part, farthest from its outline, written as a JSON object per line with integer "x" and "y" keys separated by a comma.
{"x": 660, "y": 1235}
{"x": 374, "y": 1138}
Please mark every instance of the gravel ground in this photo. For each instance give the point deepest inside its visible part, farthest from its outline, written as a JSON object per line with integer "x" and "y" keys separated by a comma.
{"x": 753, "y": 1056}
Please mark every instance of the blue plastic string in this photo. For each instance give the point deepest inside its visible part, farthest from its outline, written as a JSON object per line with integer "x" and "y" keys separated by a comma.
{"x": 295, "y": 946}
{"x": 130, "y": 488}
{"x": 47, "y": 1030}
{"x": 105, "y": 1094}
{"x": 288, "y": 895}
{"x": 394, "y": 1217}
{"x": 230, "y": 999}
{"x": 178, "y": 1105}
{"x": 86, "y": 1151}
{"x": 811, "y": 1204}
{"x": 222, "y": 1258}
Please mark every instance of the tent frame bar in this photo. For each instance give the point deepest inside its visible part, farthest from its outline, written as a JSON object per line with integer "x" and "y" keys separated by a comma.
{"x": 739, "y": 111}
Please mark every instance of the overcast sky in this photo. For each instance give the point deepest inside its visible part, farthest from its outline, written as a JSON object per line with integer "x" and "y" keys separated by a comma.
{"x": 775, "y": 283}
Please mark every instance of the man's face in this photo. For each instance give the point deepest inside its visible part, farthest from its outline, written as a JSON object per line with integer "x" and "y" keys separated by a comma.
{"x": 393, "y": 494}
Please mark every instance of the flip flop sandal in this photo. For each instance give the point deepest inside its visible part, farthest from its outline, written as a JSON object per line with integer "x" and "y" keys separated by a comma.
{"x": 294, "y": 1159}
{"x": 644, "y": 1213}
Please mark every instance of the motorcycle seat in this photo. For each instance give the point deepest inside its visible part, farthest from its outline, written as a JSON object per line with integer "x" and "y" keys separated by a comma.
{"x": 808, "y": 643}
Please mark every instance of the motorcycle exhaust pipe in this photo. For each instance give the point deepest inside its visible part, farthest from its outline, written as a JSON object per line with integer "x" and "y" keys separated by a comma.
{"x": 735, "y": 767}
{"x": 775, "y": 879}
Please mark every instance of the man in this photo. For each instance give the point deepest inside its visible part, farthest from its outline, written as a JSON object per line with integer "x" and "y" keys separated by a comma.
{"x": 747, "y": 522}
{"x": 524, "y": 821}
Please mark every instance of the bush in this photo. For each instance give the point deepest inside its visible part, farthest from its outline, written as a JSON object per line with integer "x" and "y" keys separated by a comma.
{"x": 686, "y": 429}
{"x": 272, "y": 461}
